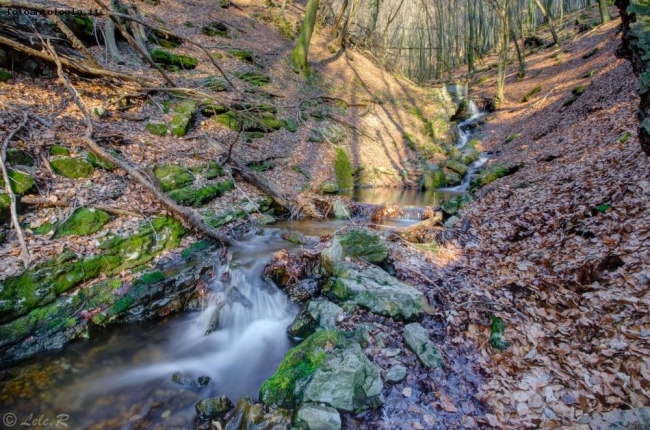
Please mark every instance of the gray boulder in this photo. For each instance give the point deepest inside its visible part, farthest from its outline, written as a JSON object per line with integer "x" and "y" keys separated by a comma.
{"x": 375, "y": 290}
{"x": 315, "y": 417}
{"x": 314, "y": 316}
{"x": 340, "y": 209}
{"x": 417, "y": 338}
{"x": 396, "y": 373}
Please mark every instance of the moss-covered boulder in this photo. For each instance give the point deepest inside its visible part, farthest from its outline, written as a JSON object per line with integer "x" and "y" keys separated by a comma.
{"x": 211, "y": 109}
{"x": 242, "y": 55}
{"x": 310, "y": 416}
{"x": 182, "y": 118}
{"x": 173, "y": 176}
{"x": 364, "y": 244}
{"x": 343, "y": 170}
{"x": 98, "y": 162}
{"x": 314, "y": 316}
{"x": 417, "y": 338}
{"x": 82, "y": 222}
{"x": 469, "y": 156}
{"x": 456, "y": 166}
{"x": 21, "y": 182}
{"x": 291, "y": 125}
{"x": 190, "y": 196}
{"x": 213, "y": 408}
{"x": 453, "y": 205}
{"x": 173, "y": 61}
{"x": 214, "y": 83}
{"x": 215, "y": 28}
{"x": 433, "y": 178}
{"x": 18, "y": 157}
{"x": 492, "y": 173}
{"x": 157, "y": 128}
{"x": 453, "y": 178}
{"x": 210, "y": 170}
{"x": 229, "y": 120}
{"x": 72, "y": 167}
{"x": 329, "y": 187}
{"x": 257, "y": 79}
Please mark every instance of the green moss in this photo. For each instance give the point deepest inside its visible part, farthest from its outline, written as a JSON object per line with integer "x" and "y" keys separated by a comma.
{"x": 82, "y": 222}
{"x": 624, "y": 138}
{"x": 298, "y": 364}
{"x": 531, "y": 93}
{"x": 189, "y": 24}
{"x": 4, "y": 75}
{"x": 456, "y": 166}
{"x": 210, "y": 109}
{"x": 191, "y": 196}
{"x": 577, "y": 91}
{"x": 72, "y": 167}
{"x": 214, "y": 82}
{"x": 433, "y": 178}
{"x": 168, "y": 59}
{"x": 224, "y": 218}
{"x": 194, "y": 248}
{"x": 257, "y": 79}
{"x": 215, "y": 28}
{"x": 18, "y": 157}
{"x": 43, "y": 229}
{"x": 343, "y": 170}
{"x": 512, "y": 137}
{"x": 230, "y": 120}
{"x": 570, "y": 101}
{"x": 173, "y": 176}
{"x": 291, "y": 125}
{"x": 5, "y": 202}
{"x": 497, "y": 331}
{"x": 492, "y": 173}
{"x": 150, "y": 278}
{"x": 209, "y": 171}
{"x": 157, "y": 129}
{"x": 591, "y": 53}
{"x": 98, "y": 162}
{"x": 182, "y": 119}
{"x": 20, "y": 182}
{"x": 242, "y": 55}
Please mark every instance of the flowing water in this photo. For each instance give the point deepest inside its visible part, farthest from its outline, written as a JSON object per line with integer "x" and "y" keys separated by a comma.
{"x": 122, "y": 377}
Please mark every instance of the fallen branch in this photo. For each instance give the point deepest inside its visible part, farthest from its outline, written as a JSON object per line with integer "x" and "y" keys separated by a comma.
{"x": 41, "y": 201}
{"x": 10, "y": 191}
{"x": 75, "y": 41}
{"x": 179, "y": 212}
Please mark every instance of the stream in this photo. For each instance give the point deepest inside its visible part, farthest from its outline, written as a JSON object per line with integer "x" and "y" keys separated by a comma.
{"x": 151, "y": 375}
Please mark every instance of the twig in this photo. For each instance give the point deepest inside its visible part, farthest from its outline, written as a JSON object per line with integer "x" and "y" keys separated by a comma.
{"x": 40, "y": 201}
{"x": 181, "y": 213}
{"x": 10, "y": 191}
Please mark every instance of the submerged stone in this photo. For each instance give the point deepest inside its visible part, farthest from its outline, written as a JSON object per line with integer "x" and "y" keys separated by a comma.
{"x": 417, "y": 338}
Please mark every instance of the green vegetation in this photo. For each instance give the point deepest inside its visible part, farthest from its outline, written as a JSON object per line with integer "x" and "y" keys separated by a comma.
{"x": 497, "y": 331}
{"x": 173, "y": 176}
{"x": 190, "y": 196}
{"x": 57, "y": 150}
{"x": 157, "y": 129}
{"x": 492, "y": 173}
{"x": 257, "y": 79}
{"x": 21, "y": 183}
{"x": 591, "y": 53}
{"x": 512, "y": 137}
{"x": 242, "y": 55}
{"x": 72, "y": 167}
{"x": 171, "y": 61}
{"x": 577, "y": 91}
{"x": 343, "y": 170}
{"x": 182, "y": 118}
{"x": 531, "y": 93}
{"x": 215, "y": 28}
{"x": 4, "y": 75}
{"x": 82, "y": 222}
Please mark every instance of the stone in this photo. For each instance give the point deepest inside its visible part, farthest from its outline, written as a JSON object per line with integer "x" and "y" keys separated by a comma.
{"x": 182, "y": 118}
{"x": 213, "y": 407}
{"x": 314, "y": 316}
{"x": 433, "y": 178}
{"x": 347, "y": 381}
{"x": 329, "y": 187}
{"x": 5, "y": 204}
{"x": 453, "y": 178}
{"x": 72, "y": 167}
{"x": 157, "y": 129}
{"x": 374, "y": 289}
{"x": 246, "y": 415}
{"x": 396, "y": 373}
{"x": 57, "y": 150}
{"x": 18, "y": 157}
{"x": 21, "y": 183}
{"x": 315, "y": 417}
{"x": 451, "y": 222}
{"x": 417, "y": 338}
{"x": 295, "y": 237}
{"x": 635, "y": 418}
{"x": 172, "y": 61}
{"x": 340, "y": 209}
{"x": 455, "y": 204}
{"x": 364, "y": 244}
{"x": 343, "y": 170}
{"x": 82, "y": 222}
{"x": 291, "y": 125}
{"x": 173, "y": 176}
{"x": 492, "y": 173}
{"x": 190, "y": 196}
{"x": 456, "y": 166}
{"x": 201, "y": 381}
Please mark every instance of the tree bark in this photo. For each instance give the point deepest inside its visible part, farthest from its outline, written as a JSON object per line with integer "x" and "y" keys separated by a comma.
{"x": 301, "y": 51}
{"x": 604, "y": 13}
{"x": 549, "y": 20}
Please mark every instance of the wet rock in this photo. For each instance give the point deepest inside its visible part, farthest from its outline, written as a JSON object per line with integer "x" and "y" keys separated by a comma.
{"x": 364, "y": 244}
{"x": 347, "y": 381}
{"x": 213, "y": 407}
{"x": 396, "y": 373}
{"x": 82, "y": 222}
{"x": 302, "y": 291}
{"x": 455, "y": 204}
{"x": 329, "y": 187}
{"x": 201, "y": 381}
{"x": 72, "y": 167}
{"x": 375, "y": 290}
{"x": 295, "y": 237}
{"x": 417, "y": 338}
{"x": 469, "y": 156}
{"x": 314, "y": 417}
{"x": 314, "y": 315}
{"x": 453, "y": 178}
{"x": 492, "y": 173}
{"x": 340, "y": 210}
{"x": 456, "y": 166}
{"x": 343, "y": 170}
{"x": 433, "y": 178}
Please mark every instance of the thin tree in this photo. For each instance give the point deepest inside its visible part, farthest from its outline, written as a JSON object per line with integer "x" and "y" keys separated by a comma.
{"x": 549, "y": 19}
{"x": 604, "y": 13}
{"x": 301, "y": 51}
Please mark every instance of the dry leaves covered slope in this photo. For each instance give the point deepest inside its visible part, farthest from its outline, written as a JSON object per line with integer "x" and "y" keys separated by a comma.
{"x": 560, "y": 250}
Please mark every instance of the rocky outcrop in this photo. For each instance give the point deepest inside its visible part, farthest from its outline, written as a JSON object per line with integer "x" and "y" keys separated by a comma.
{"x": 636, "y": 45}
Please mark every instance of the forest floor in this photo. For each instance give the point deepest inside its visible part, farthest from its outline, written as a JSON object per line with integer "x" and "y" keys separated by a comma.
{"x": 560, "y": 249}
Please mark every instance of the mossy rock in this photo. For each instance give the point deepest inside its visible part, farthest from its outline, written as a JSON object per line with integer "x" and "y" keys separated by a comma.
{"x": 210, "y": 170}
{"x": 182, "y": 118}
{"x": 166, "y": 58}
{"x": 453, "y": 178}
{"x": 20, "y": 182}
{"x": 242, "y": 55}
{"x": 298, "y": 364}
{"x": 469, "y": 156}
{"x": 329, "y": 187}
{"x": 157, "y": 129}
{"x": 263, "y": 166}
{"x": 211, "y": 109}
{"x": 98, "y": 162}
{"x": 364, "y": 244}
{"x": 190, "y": 196}
{"x": 5, "y": 76}
{"x": 257, "y": 79}
{"x": 343, "y": 170}
{"x": 5, "y": 204}
{"x": 456, "y": 166}
{"x": 453, "y": 205}
{"x": 43, "y": 229}
{"x": 229, "y": 120}
{"x": 264, "y": 122}
{"x": 433, "y": 178}
{"x": 61, "y": 151}
{"x": 72, "y": 167}
{"x": 214, "y": 83}
{"x": 173, "y": 176}
{"x": 195, "y": 248}
{"x": 82, "y": 26}
{"x": 452, "y": 152}
{"x": 224, "y": 218}
{"x": 291, "y": 125}
{"x": 82, "y": 222}
{"x": 492, "y": 173}
{"x": 18, "y": 157}
{"x": 215, "y": 28}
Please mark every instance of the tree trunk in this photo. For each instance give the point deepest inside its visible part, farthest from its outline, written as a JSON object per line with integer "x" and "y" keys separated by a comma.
{"x": 300, "y": 52}
{"x": 549, "y": 20}
{"x": 503, "y": 52}
{"x": 604, "y": 13}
